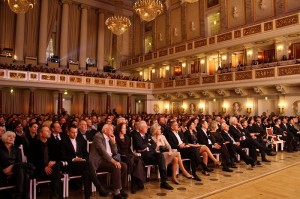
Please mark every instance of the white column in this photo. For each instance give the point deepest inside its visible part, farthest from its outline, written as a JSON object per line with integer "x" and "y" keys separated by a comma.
{"x": 20, "y": 31}
{"x": 43, "y": 32}
{"x": 64, "y": 33}
{"x": 100, "y": 45}
{"x": 83, "y": 37}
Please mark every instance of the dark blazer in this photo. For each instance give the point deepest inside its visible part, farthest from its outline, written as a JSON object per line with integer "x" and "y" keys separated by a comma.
{"x": 235, "y": 133}
{"x": 189, "y": 138}
{"x": 172, "y": 139}
{"x": 285, "y": 128}
{"x": 140, "y": 144}
{"x": 292, "y": 129}
{"x": 89, "y": 135}
{"x": 217, "y": 136}
{"x": 258, "y": 128}
{"x": 226, "y": 137}
{"x": 55, "y": 147}
{"x": 68, "y": 151}
{"x": 203, "y": 139}
{"x": 98, "y": 152}
{"x": 37, "y": 155}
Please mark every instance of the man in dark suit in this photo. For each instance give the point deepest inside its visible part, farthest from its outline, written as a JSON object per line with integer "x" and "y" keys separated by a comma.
{"x": 237, "y": 131}
{"x": 45, "y": 166}
{"x": 74, "y": 151}
{"x": 236, "y": 145}
{"x": 32, "y": 133}
{"x": 205, "y": 138}
{"x": 55, "y": 139}
{"x": 259, "y": 129}
{"x": 292, "y": 128}
{"x": 177, "y": 141}
{"x": 83, "y": 132}
{"x": 104, "y": 157}
{"x": 143, "y": 143}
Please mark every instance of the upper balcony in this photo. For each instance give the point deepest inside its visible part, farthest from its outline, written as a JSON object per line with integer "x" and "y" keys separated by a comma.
{"x": 81, "y": 83}
{"x": 272, "y": 75}
{"x": 257, "y": 32}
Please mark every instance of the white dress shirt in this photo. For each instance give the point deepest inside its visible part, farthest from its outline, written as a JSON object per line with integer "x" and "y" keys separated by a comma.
{"x": 74, "y": 143}
{"x": 108, "y": 149}
{"x": 205, "y": 132}
{"x": 178, "y": 138}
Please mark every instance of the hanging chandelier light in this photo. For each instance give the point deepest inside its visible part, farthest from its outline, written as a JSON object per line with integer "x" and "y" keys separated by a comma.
{"x": 118, "y": 24}
{"x": 21, "y": 6}
{"x": 148, "y": 9}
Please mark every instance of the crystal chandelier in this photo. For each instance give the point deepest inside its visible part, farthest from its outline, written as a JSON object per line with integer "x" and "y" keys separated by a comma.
{"x": 118, "y": 24}
{"x": 148, "y": 9}
{"x": 21, "y": 6}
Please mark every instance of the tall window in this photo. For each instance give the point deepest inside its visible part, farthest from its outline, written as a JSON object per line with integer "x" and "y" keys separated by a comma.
{"x": 214, "y": 24}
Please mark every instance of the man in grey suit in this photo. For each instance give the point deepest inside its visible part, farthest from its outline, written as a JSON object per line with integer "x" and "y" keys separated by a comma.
{"x": 105, "y": 158}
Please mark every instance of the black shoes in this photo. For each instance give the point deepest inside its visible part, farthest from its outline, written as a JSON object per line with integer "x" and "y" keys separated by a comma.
{"x": 205, "y": 173}
{"x": 165, "y": 185}
{"x": 265, "y": 160}
{"x": 258, "y": 162}
{"x": 271, "y": 153}
{"x": 226, "y": 169}
{"x": 196, "y": 177}
{"x": 123, "y": 194}
{"x": 103, "y": 192}
{"x": 233, "y": 166}
{"x": 209, "y": 169}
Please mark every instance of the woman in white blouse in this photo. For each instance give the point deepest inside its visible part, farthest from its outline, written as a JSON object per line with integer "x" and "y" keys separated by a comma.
{"x": 170, "y": 155}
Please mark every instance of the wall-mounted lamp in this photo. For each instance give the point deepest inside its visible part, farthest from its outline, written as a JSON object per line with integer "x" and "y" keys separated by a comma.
{"x": 141, "y": 73}
{"x": 167, "y": 67}
{"x": 183, "y": 107}
{"x": 183, "y": 64}
{"x": 279, "y": 48}
{"x": 224, "y": 108}
{"x": 266, "y": 98}
{"x": 202, "y": 61}
{"x": 153, "y": 70}
{"x": 249, "y": 107}
{"x": 214, "y": 100}
{"x": 167, "y": 106}
{"x": 11, "y": 90}
{"x": 175, "y": 32}
{"x": 224, "y": 57}
{"x": 66, "y": 92}
{"x": 281, "y": 107}
{"x": 201, "y": 108}
{"x": 249, "y": 53}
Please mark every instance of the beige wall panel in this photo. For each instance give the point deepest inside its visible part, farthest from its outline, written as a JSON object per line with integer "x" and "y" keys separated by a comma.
{"x": 137, "y": 37}
{"x": 160, "y": 26}
{"x": 263, "y": 9}
{"x": 175, "y": 31}
{"x": 292, "y": 5}
{"x": 236, "y": 13}
{"x": 192, "y": 20}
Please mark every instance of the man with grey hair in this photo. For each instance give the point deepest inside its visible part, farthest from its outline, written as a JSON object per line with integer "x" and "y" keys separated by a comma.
{"x": 105, "y": 158}
{"x": 143, "y": 143}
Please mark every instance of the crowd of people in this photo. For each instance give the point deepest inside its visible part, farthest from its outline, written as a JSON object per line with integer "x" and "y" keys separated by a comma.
{"x": 66, "y": 71}
{"x": 125, "y": 144}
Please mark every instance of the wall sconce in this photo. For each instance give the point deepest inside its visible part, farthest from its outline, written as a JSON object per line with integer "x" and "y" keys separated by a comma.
{"x": 183, "y": 107}
{"x": 153, "y": 70}
{"x": 281, "y": 107}
{"x": 266, "y": 98}
{"x": 224, "y": 57}
{"x": 11, "y": 90}
{"x": 141, "y": 73}
{"x": 160, "y": 37}
{"x": 183, "y": 65}
{"x": 249, "y": 107}
{"x": 167, "y": 106}
{"x": 167, "y": 67}
{"x": 249, "y": 53}
{"x": 193, "y": 27}
{"x": 224, "y": 108}
{"x": 235, "y": 12}
{"x": 201, "y": 108}
{"x": 175, "y": 32}
{"x": 279, "y": 48}
{"x": 66, "y": 92}
{"x": 202, "y": 61}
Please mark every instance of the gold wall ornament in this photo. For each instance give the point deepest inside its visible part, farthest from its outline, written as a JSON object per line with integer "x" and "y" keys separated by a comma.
{"x": 148, "y": 9}
{"x": 118, "y": 24}
{"x": 21, "y": 6}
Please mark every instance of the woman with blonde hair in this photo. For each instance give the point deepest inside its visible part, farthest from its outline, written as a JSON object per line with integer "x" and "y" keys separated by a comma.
{"x": 170, "y": 155}
{"x": 12, "y": 170}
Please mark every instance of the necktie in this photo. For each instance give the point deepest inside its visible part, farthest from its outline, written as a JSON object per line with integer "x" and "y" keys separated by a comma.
{"x": 56, "y": 137}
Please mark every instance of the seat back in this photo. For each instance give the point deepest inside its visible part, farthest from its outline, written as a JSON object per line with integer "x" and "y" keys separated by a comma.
{"x": 24, "y": 158}
{"x": 89, "y": 143}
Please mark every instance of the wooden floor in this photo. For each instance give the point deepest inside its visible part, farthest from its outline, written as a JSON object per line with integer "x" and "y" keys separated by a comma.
{"x": 283, "y": 184}
{"x": 278, "y": 179}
